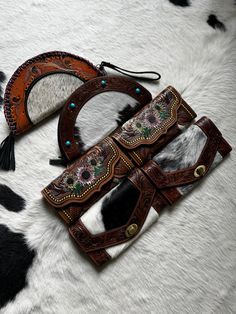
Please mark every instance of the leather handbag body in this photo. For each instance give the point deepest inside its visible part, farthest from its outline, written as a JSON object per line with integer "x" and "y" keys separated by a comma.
{"x": 129, "y": 209}
{"x": 106, "y": 164}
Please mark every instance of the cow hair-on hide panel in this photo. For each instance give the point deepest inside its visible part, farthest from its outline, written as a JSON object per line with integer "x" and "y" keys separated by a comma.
{"x": 186, "y": 262}
{"x": 49, "y": 94}
{"x": 119, "y": 205}
{"x": 183, "y": 152}
{"x": 126, "y": 113}
{"x": 15, "y": 260}
{"x": 2, "y": 79}
{"x": 10, "y": 200}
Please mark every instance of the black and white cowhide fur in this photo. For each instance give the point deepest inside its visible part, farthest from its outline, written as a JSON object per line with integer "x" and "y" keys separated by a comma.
{"x": 15, "y": 255}
{"x": 185, "y": 263}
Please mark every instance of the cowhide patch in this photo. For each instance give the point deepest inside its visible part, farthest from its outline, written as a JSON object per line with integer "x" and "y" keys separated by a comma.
{"x": 2, "y": 79}
{"x": 126, "y": 113}
{"x": 10, "y": 200}
{"x": 15, "y": 260}
{"x": 215, "y": 23}
{"x": 119, "y": 205}
{"x": 181, "y": 3}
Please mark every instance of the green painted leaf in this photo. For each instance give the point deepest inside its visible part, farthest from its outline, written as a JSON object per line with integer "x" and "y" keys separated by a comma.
{"x": 146, "y": 132}
{"x": 78, "y": 188}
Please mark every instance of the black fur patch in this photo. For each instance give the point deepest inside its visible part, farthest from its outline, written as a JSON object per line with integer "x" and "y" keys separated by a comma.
{"x": 78, "y": 139}
{"x": 10, "y": 200}
{"x": 127, "y": 112}
{"x": 15, "y": 260}
{"x": 215, "y": 23}
{"x": 118, "y": 207}
{"x": 181, "y": 3}
{"x": 2, "y": 79}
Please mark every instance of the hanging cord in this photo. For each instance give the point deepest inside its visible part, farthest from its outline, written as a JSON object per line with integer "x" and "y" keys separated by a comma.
{"x": 132, "y": 74}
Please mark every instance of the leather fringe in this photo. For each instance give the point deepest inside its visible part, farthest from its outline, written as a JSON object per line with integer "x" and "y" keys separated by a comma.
{"x": 7, "y": 153}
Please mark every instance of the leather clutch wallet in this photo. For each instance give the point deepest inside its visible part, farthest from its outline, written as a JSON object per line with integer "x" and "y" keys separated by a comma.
{"x": 121, "y": 216}
{"x": 105, "y": 164}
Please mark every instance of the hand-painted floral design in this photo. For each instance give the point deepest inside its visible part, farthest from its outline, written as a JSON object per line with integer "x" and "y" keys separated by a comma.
{"x": 149, "y": 119}
{"x": 86, "y": 173}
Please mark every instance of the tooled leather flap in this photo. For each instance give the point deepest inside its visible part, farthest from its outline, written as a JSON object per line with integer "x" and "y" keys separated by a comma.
{"x": 154, "y": 120}
{"x": 92, "y": 242}
{"x": 215, "y": 143}
{"x": 84, "y": 177}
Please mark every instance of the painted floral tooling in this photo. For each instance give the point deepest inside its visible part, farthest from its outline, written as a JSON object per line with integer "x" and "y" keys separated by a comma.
{"x": 87, "y": 173}
{"x": 148, "y": 121}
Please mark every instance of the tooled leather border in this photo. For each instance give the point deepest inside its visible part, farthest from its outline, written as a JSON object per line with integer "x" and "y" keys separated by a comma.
{"x": 8, "y": 109}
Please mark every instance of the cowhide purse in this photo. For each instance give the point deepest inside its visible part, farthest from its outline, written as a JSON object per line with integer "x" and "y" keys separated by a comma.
{"x": 40, "y": 86}
{"x": 121, "y": 216}
{"x": 37, "y": 89}
{"x": 102, "y": 167}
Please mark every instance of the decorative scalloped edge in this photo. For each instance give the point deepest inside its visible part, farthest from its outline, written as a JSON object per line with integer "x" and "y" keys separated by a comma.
{"x": 160, "y": 130}
{"x": 7, "y": 106}
{"x": 111, "y": 164}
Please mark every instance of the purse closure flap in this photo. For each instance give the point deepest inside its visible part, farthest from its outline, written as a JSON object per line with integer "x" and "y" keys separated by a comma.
{"x": 92, "y": 242}
{"x": 151, "y": 122}
{"x": 214, "y": 143}
{"x": 84, "y": 177}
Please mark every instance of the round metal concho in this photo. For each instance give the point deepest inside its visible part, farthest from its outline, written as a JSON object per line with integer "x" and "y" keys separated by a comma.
{"x": 82, "y": 95}
{"x": 30, "y": 72}
{"x": 131, "y": 230}
{"x": 199, "y": 171}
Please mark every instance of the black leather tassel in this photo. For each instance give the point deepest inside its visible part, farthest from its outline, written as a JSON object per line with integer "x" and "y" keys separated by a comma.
{"x": 7, "y": 153}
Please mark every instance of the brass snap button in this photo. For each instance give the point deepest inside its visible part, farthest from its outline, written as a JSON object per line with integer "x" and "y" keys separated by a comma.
{"x": 131, "y": 230}
{"x": 199, "y": 171}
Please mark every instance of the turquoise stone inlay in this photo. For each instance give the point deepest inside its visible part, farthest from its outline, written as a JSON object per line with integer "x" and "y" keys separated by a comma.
{"x": 137, "y": 90}
{"x": 68, "y": 143}
{"x": 72, "y": 105}
{"x": 104, "y": 83}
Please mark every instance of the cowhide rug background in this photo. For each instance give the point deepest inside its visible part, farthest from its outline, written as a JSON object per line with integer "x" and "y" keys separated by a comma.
{"x": 186, "y": 263}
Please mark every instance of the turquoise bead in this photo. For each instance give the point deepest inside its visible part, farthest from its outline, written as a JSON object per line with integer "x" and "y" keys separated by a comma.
{"x": 68, "y": 143}
{"x": 72, "y": 105}
{"x": 104, "y": 83}
{"x": 137, "y": 90}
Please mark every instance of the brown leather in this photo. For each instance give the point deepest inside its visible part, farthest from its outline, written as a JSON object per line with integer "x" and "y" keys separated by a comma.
{"x": 18, "y": 87}
{"x": 81, "y": 96}
{"x": 114, "y": 164}
{"x": 157, "y": 189}
{"x": 70, "y": 206}
{"x": 172, "y": 101}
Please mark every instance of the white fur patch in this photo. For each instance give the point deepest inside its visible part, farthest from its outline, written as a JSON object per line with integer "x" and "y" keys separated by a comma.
{"x": 101, "y": 111}
{"x": 49, "y": 94}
